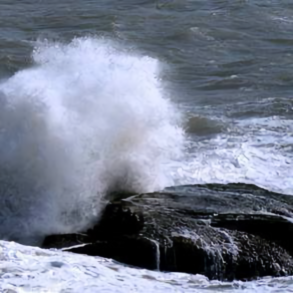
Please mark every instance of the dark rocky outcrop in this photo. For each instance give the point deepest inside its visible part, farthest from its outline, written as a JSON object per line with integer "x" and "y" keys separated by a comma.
{"x": 225, "y": 232}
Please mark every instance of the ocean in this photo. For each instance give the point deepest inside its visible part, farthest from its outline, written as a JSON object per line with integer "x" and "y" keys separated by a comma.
{"x": 102, "y": 96}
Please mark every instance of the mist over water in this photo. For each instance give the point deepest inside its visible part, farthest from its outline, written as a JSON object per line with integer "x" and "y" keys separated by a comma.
{"x": 86, "y": 119}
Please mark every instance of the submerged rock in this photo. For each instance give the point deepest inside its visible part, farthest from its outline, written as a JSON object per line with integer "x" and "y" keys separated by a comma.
{"x": 225, "y": 232}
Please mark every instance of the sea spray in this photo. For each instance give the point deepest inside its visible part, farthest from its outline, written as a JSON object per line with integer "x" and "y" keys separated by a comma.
{"x": 85, "y": 119}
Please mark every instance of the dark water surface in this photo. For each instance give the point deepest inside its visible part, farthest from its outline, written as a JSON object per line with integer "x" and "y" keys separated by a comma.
{"x": 228, "y": 65}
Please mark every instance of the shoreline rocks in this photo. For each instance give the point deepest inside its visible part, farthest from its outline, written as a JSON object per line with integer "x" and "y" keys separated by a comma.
{"x": 224, "y": 232}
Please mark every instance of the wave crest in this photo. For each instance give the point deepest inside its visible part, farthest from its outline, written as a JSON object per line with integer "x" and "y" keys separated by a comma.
{"x": 87, "y": 118}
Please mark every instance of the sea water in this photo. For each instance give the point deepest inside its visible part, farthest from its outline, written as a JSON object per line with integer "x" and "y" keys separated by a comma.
{"x": 134, "y": 96}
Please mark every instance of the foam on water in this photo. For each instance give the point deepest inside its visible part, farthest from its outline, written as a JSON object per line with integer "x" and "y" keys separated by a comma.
{"x": 26, "y": 269}
{"x": 87, "y": 118}
{"x": 255, "y": 150}
{"x": 243, "y": 162}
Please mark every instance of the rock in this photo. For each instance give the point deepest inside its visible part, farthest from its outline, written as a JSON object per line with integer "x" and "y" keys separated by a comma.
{"x": 224, "y": 232}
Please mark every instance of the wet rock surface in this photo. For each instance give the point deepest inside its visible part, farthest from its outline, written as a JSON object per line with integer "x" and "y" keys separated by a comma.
{"x": 225, "y": 232}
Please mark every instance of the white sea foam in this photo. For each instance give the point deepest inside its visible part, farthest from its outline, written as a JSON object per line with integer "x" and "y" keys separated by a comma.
{"x": 26, "y": 269}
{"x": 85, "y": 119}
{"x": 257, "y": 151}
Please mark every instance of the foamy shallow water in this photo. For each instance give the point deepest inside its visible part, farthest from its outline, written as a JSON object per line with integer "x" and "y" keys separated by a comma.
{"x": 30, "y": 269}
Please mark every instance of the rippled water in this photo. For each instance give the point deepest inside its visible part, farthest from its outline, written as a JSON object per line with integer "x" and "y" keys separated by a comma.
{"x": 226, "y": 64}
{"x": 104, "y": 89}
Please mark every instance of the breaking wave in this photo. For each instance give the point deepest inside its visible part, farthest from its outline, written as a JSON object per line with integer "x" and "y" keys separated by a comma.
{"x": 87, "y": 118}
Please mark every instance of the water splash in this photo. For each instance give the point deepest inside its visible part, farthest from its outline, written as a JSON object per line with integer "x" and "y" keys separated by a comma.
{"x": 157, "y": 253}
{"x": 87, "y": 118}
